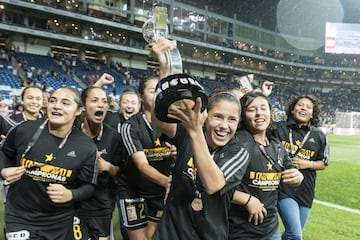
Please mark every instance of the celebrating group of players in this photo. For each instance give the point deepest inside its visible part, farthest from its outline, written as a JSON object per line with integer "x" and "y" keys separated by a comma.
{"x": 221, "y": 173}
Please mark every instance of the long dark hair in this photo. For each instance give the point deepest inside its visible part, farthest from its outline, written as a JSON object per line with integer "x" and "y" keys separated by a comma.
{"x": 316, "y": 119}
{"x": 143, "y": 82}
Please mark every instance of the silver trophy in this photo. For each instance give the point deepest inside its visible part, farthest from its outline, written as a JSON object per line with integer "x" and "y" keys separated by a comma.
{"x": 156, "y": 27}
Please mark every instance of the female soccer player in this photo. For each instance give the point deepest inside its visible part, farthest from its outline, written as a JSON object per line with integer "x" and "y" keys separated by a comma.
{"x": 209, "y": 164}
{"x": 32, "y": 98}
{"x": 129, "y": 105}
{"x": 146, "y": 174}
{"x": 94, "y": 215}
{"x": 268, "y": 166}
{"x": 308, "y": 149}
{"x": 50, "y": 166}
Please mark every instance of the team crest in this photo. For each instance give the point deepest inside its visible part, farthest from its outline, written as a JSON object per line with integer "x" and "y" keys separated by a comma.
{"x": 131, "y": 212}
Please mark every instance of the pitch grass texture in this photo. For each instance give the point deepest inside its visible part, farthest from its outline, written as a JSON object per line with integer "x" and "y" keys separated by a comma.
{"x": 339, "y": 184}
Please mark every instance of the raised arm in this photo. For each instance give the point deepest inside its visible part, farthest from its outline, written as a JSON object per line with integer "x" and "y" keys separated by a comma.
{"x": 193, "y": 120}
{"x": 105, "y": 79}
{"x": 159, "y": 48}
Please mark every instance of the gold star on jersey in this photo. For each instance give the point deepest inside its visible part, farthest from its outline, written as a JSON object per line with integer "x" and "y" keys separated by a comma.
{"x": 49, "y": 157}
{"x": 157, "y": 142}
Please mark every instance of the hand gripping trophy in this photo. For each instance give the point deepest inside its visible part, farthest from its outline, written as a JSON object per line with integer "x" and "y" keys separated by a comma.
{"x": 156, "y": 27}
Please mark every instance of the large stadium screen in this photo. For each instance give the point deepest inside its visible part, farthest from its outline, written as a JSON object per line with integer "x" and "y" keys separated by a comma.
{"x": 342, "y": 38}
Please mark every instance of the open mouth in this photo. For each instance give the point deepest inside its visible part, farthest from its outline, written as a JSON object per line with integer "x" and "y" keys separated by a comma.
{"x": 99, "y": 113}
{"x": 220, "y": 135}
{"x": 129, "y": 112}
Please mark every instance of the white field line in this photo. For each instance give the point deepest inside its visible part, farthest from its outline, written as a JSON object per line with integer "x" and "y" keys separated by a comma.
{"x": 337, "y": 206}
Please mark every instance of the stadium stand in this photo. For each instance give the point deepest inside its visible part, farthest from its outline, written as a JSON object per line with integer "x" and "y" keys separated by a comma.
{"x": 216, "y": 56}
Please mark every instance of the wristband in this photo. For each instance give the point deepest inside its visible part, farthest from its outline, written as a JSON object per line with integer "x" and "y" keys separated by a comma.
{"x": 247, "y": 202}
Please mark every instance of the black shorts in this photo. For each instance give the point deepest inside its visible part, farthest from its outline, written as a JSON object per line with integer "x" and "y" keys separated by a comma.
{"x": 136, "y": 212}
{"x": 25, "y": 232}
{"x": 89, "y": 227}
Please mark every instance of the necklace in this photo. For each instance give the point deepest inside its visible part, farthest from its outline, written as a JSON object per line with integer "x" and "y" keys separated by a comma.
{"x": 98, "y": 134}
{"x": 295, "y": 152}
{"x": 269, "y": 158}
{"x": 36, "y": 137}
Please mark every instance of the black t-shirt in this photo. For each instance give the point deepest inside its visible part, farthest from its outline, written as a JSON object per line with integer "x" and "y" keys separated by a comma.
{"x": 114, "y": 119}
{"x": 103, "y": 201}
{"x": 314, "y": 148}
{"x": 138, "y": 135}
{"x": 261, "y": 180}
{"x": 179, "y": 221}
{"x": 19, "y": 117}
{"x": 50, "y": 160}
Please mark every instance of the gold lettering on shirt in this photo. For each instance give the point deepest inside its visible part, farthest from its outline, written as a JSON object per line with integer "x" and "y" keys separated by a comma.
{"x": 45, "y": 172}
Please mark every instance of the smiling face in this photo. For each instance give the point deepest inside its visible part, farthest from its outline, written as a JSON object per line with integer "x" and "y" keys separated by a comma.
{"x": 63, "y": 108}
{"x": 258, "y": 115}
{"x": 32, "y": 101}
{"x": 303, "y": 111}
{"x": 96, "y": 105}
{"x": 221, "y": 123}
{"x": 129, "y": 104}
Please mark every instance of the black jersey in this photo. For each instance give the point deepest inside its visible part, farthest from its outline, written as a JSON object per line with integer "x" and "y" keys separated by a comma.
{"x": 114, "y": 119}
{"x": 261, "y": 180}
{"x": 5, "y": 124}
{"x": 19, "y": 117}
{"x": 102, "y": 203}
{"x": 315, "y": 147}
{"x": 68, "y": 161}
{"x": 138, "y": 135}
{"x": 179, "y": 221}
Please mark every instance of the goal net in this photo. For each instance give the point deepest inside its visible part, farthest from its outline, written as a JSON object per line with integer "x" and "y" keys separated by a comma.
{"x": 347, "y": 119}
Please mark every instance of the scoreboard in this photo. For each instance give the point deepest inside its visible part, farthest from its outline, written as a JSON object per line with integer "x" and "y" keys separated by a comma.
{"x": 342, "y": 38}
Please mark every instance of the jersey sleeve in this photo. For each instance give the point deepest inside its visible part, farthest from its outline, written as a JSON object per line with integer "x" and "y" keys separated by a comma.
{"x": 89, "y": 171}
{"x": 8, "y": 150}
{"x": 5, "y": 124}
{"x": 130, "y": 138}
{"x": 233, "y": 162}
{"x": 324, "y": 151}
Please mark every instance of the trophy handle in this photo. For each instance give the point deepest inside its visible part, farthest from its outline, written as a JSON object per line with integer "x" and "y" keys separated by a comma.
{"x": 148, "y": 31}
{"x": 174, "y": 61}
